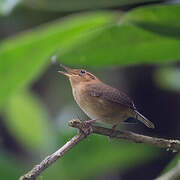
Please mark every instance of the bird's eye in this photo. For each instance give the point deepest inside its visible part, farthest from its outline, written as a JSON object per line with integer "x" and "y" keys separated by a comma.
{"x": 82, "y": 72}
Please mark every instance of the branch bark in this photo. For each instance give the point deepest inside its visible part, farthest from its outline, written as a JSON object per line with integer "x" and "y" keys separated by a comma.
{"x": 85, "y": 130}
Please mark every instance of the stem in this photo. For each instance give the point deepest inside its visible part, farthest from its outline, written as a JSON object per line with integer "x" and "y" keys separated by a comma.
{"x": 86, "y": 129}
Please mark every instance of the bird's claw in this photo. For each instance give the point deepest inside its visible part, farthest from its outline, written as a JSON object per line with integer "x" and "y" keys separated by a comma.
{"x": 87, "y": 128}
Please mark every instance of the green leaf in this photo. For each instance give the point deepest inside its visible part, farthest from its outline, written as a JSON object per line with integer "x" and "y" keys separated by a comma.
{"x": 27, "y": 120}
{"x": 146, "y": 35}
{"x": 71, "y": 5}
{"x": 25, "y": 57}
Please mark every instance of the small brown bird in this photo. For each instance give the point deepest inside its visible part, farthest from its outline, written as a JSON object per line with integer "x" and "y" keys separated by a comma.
{"x": 101, "y": 102}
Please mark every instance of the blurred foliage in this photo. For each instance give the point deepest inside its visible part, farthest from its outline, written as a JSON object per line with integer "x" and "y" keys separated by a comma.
{"x": 168, "y": 78}
{"x": 32, "y": 50}
{"x": 74, "y": 39}
{"x": 10, "y": 169}
{"x": 148, "y": 34}
{"x": 96, "y": 155}
{"x": 26, "y": 115}
{"x": 6, "y": 6}
{"x": 172, "y": 164}
{"x": 70, "y": 5}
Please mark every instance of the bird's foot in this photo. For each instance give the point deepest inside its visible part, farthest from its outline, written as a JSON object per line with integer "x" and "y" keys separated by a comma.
{"x": 88, "y": 126}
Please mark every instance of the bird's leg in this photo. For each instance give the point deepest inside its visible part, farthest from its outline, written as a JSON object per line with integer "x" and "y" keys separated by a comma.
{"x": 113, "y": 130}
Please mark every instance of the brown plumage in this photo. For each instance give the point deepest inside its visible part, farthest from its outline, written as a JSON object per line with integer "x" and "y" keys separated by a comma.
{"x": 100, "y": 101}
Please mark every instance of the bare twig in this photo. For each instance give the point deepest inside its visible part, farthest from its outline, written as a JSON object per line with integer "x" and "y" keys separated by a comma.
{"x": 87, "y": 129}
{"x": 36, "y": 171}
{"x": 173, "y": 174}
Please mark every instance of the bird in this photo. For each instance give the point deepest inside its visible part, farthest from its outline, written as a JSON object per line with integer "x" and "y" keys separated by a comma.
{"x": 101, "y": 102}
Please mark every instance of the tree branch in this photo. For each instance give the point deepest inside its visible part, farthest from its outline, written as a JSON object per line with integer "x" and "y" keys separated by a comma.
{"x": 85, "y": 130}
{"x": 38, "y": 169}
{"x": 173, "y": 145}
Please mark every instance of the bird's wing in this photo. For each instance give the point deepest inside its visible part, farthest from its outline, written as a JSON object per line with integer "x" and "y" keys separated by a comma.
{"x": 114, "y": 95}
{"x": 111, "y": 94}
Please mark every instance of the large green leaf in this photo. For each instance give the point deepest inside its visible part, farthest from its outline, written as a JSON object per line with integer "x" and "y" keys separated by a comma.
{"x": 145, "y": 35}
{"x": 27, "y": 120}
{"x": 25, "y": 56}
{"x": 71, "y": 5}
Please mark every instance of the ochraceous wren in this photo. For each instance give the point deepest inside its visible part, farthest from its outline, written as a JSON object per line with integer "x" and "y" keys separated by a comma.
{"x": 100, "y": 101}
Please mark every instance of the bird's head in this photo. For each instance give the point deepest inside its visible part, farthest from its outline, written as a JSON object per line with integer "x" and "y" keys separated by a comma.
{"x": 77, "y": 76}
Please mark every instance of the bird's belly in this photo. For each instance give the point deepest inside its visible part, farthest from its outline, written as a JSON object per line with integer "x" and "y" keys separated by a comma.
{"x": 102, "y": 115}
{"x": 102, "y": 110}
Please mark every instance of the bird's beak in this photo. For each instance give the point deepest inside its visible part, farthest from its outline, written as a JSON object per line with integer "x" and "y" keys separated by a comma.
{"x": 68, "y": 72}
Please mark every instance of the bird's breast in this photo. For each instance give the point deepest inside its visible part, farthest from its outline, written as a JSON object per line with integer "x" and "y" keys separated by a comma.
{"x": 85, "y": 102}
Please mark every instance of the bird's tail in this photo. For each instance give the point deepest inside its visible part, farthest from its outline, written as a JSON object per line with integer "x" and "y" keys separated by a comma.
{"x": 144, "y": 120}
